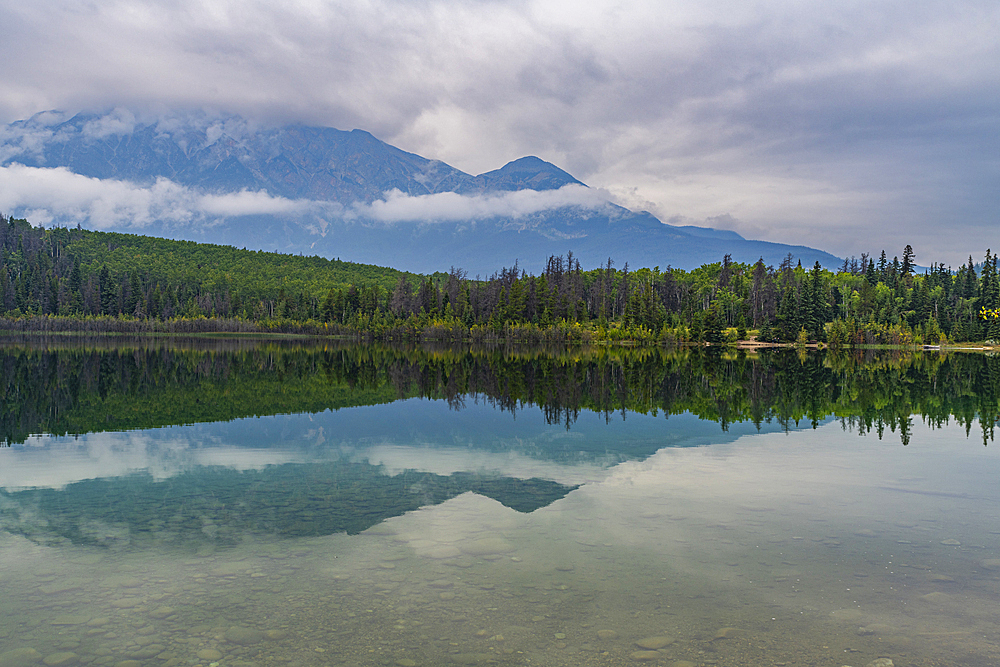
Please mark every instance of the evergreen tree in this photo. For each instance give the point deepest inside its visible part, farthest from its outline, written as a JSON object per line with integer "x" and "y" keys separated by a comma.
{"x": 789, "y": 319}
{"x": 870, "y": 274}
{"x": 907, "y": 267}
{"x": 713, "y": 325}
{"x": 108, "y": 291}
{"x": 815, "y": 308}
{"x": 989, "y": 287}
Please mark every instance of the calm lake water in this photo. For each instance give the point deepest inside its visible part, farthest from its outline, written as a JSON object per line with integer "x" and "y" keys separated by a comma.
{"x": 453, "y": 507}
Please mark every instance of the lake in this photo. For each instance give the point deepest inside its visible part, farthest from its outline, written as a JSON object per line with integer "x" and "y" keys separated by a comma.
{"x": 240, "y": 503}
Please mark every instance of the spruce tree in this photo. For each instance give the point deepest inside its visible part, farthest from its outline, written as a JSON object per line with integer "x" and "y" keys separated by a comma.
{"x": 908, "y": 257}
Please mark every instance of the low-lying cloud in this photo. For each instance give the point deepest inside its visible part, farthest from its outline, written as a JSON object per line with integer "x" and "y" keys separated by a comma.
{"x": 453, "y": 207}
{"x": 59, "y": 196}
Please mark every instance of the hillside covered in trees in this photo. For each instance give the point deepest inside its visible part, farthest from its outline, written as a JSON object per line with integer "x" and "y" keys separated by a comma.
{"x": 63, "y": 271}
{"x": 73, "y": 278}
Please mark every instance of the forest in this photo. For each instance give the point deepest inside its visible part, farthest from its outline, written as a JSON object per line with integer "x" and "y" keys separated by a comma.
{"x": 61, "y": 279}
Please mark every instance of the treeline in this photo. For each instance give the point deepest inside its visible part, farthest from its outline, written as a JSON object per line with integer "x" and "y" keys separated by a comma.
{"x": 865, "y": 302}
{"x": 119, "y": 282}
{"x": 63, "y": 388}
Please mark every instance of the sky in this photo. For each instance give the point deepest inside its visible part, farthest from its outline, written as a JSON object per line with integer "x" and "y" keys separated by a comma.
{"x": 850, "y": 126}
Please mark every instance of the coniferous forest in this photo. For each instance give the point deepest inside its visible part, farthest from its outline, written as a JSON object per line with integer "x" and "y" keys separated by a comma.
{"x": 61, "y": 279}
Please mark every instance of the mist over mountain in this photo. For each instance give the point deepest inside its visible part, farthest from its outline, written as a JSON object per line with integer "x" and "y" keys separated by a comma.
{"x": 334, "y": 193}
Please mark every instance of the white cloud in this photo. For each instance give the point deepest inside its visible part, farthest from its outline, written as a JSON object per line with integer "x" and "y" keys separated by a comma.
{"x": 449, "y": 206}
{"x": 57, "y": 195}
{"x": 235, "y": 204}
{"x": 29, "y": 140}
{"x": 47, "y": 461}
{"x": 119, "y": 121}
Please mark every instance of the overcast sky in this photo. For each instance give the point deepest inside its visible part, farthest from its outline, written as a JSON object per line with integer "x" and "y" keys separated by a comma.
{"x": 847, "y": 126}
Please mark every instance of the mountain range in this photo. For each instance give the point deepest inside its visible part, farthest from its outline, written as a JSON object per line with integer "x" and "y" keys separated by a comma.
{"x": 344, "y": 194}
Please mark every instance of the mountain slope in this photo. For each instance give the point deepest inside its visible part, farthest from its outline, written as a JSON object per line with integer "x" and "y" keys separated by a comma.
{"x": 343, "y": 194}
{"x": 223, "y": 156}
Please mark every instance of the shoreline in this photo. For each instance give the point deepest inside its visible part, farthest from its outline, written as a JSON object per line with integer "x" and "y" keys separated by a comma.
{"x": 750, "y": 345}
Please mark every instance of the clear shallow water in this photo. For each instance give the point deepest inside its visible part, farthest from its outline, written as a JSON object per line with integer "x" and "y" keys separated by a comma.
{"x": 411, "y": 534}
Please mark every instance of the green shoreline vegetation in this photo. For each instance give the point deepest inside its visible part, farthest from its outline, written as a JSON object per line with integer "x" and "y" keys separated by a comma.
{"x": 61, "y": 280}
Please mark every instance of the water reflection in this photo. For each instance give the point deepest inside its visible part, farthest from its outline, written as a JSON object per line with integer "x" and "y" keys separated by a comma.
{"x": 812, "y": 547}
{"x": 67, "y": 387}
{"x": 408, "y": 533}
{"x": 303, "y": 475}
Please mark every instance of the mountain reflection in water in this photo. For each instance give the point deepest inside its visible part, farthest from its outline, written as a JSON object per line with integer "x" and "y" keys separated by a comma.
{"x": 252, "y": 503}
{"x": 225, "y": 506}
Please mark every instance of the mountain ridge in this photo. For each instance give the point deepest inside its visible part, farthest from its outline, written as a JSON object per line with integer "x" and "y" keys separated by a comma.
{"x": 362, "y": 199}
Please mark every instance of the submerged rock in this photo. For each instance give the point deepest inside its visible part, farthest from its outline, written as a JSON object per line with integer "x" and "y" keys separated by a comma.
{"x": 161, "y": 612}
{"x": 150, "y": 651}
{"x": 645, "y": 656}
{"x": 20, "y": 657}
{"x": 243, "y": 636}
{"x": 61, "y": 659}
{"x": 209, "y": 654}
{"x": 70, "y": 619}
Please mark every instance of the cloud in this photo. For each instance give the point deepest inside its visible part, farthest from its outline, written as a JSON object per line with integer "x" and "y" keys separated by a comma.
{"x": 449, "y": 206}
{"x": 57, "y": 195}
{"x": 119, "y": 121}
{"x": 797, "y": 118}
{"x": 47, "y": 461}
{"x": 48, "y": 195}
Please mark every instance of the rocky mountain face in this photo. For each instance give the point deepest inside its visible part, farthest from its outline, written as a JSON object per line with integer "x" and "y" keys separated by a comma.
{"x": 357, "y": 171}
{"x": 294, "y": 162}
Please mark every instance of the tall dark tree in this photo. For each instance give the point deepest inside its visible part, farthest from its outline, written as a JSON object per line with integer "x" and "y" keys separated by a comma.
{"x": 907, "y": 266}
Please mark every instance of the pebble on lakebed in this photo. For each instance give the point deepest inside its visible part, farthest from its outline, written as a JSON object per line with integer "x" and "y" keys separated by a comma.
{"x": 653, "y": 643}
{"x": 20, "y": 657}
{"x": 645, "y": 656}
{"x": 243, "y": 636}
{"x": 209, "y": 654}
{"x": 61, "y": 659}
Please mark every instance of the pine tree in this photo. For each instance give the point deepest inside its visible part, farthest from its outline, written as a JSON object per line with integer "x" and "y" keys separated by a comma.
{"x": 713, "y": 325}
{"x": 815, "y": 307}
{"x": 908, "y": 257}
{"x": 108, "y": 292}
{"x": 789, "y": 319}
{"x": 989, "y": 287}
{"x": 870, "y": 274}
